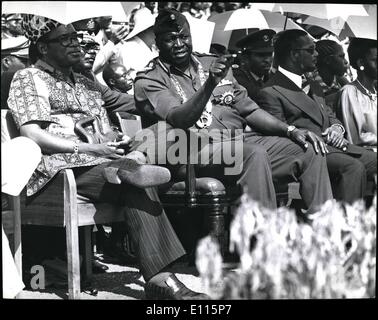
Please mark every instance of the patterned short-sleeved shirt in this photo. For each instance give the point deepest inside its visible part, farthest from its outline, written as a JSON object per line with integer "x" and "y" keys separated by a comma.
{"x": 42, "y": 93}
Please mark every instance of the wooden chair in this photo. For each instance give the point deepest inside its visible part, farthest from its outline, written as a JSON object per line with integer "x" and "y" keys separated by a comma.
{"x": 208, "y": 193}
{"x": 59, "y": 205}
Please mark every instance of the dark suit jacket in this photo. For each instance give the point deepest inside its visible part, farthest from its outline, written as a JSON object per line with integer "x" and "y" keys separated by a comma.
{"x": 247, "y": 81}
{"x": 282, "y": 98}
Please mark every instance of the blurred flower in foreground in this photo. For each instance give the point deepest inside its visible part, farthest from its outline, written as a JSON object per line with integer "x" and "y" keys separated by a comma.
{"x": 209, "y": 264}
{"x": 333, "y": 255}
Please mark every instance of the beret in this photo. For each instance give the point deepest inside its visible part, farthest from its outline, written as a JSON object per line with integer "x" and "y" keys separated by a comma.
{"x": 169, "y": 20}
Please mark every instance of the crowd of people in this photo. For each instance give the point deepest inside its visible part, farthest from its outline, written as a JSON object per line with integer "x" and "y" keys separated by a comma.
{"x": 287, "y": 97}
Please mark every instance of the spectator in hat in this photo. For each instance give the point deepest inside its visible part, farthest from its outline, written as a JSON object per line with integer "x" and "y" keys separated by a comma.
{"x": 11, "y": 26}
{"x": 14, "y": 56}
{"x": 256, "y": 59}
{"x": 116, "y": 101}
{"x": 139, "y": 46}
{"x": 53, "y": 98}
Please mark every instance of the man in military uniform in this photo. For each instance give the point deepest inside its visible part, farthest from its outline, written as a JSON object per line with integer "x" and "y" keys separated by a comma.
{"x": 256, "y": 60}
{"x": 188, "y": 91}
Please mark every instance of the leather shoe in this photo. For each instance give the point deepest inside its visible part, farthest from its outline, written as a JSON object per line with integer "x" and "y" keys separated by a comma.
{"x": 172, "y": 289}
{"x": 137, "y": 174}
{"x": 98, "y": 267}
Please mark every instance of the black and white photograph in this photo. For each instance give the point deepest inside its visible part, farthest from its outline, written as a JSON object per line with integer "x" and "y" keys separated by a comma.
{"x": 199, "y": 151}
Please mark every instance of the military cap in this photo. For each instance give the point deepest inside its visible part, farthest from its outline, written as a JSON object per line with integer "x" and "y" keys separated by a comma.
{"x": 259, "y": 41}
{"x": 169, "y": 20}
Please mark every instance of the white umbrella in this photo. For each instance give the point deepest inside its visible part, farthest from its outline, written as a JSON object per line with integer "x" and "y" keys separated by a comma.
{"x": 229, "y": 25}
{"x": 202, "y": 33}
{"x": 321, "y": 10}
{"x": 353, "y": 26}
{"x": 66, "y": 12}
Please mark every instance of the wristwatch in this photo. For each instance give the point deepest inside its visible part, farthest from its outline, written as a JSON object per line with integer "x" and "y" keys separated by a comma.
{"x": 290, "y": 129}
{"x": 76, "y": 149}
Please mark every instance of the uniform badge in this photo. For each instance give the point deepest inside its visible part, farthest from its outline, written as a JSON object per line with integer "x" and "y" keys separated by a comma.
{"x": 265, "y": 38}
{"x": 227, "y": 98}
{"x": 205, "y": 120}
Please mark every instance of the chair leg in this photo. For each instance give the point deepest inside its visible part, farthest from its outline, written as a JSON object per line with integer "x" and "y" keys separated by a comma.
{"x": 216, "y": 226}
{"x": 88, "y": 251}
{"x": 17, "y": 234}
{"x": 72, "y": 237}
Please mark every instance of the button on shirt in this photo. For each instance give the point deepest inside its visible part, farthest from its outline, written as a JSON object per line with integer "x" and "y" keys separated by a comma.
{"x": 42, "y": 93}
{"x": 155, "y": 94}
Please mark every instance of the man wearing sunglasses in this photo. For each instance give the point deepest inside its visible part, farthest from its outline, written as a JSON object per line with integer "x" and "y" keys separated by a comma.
{"x": 283, "y": 97}
{"x": 46, "y": 101}
{"x": 115, "y": 100}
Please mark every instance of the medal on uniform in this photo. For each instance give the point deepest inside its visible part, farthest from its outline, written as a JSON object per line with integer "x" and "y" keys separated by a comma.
{"x": 227, "y": 98}
{"x": 206, "y": 117}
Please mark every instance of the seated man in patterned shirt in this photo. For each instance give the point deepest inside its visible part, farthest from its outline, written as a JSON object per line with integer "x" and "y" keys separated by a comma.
{"x": 46, "y": 101}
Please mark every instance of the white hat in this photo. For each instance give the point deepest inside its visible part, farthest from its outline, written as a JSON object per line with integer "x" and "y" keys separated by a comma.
{"x": 143, "y": 20}
{"x": 17, "y": 46}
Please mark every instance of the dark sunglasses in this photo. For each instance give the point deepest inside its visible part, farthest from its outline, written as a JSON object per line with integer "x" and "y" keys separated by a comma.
{"x": 67, "y": 40}
{"x": 309, "y": 50}
{"x": 88, "y": 46}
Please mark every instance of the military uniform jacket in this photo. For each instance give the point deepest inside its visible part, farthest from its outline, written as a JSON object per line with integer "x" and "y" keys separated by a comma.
{"x": 247, "y": 81}
{"x": 155, "y": 95}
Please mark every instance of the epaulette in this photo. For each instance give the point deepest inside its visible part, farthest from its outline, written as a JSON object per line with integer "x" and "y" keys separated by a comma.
{"x": 198, "y": 54}
{"x": 150, "y": 66}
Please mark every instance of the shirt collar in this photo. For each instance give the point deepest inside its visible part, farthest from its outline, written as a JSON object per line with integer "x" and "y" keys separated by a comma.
{"x": 292, "y": 76}
{"x": 255, "y": 76}
{"x": 43, "y": 65}
{"x": 169, "y": 68}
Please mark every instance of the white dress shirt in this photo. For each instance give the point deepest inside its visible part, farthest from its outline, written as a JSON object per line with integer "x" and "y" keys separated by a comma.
{"x": 297, "y": 79}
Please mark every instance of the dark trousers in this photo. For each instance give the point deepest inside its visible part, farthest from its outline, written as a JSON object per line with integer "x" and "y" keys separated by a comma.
{"x": 267, "y": 160}
{"x": 272, "y": 160}
{"x": 156, "y": 244}
{"x": 350, "y": 172}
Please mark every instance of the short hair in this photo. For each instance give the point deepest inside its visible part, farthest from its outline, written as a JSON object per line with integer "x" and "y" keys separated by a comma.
{"x": 285, "y": 42}
{"x": 358, "y": 49}
{"x": 108, "y": 73}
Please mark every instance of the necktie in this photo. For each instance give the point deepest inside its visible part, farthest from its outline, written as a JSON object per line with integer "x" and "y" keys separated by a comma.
{"x": 305, "y": 85}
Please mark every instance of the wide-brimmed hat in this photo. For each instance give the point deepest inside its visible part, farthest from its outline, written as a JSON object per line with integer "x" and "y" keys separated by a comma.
{"x": 17, "y": 46}
{"x": 143, "y": 19}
